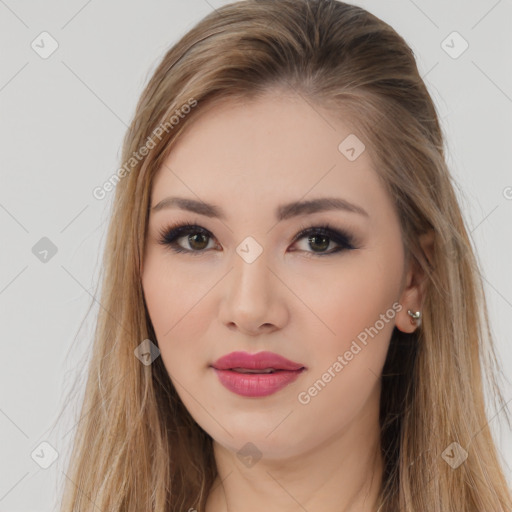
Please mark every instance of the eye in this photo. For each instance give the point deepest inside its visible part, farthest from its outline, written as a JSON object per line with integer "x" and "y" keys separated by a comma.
{"x": 319, "y": 238}
{"x": 195, "y": 236}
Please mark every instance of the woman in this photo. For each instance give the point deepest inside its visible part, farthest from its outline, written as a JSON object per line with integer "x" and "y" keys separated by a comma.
{"x": 293, "y": 316}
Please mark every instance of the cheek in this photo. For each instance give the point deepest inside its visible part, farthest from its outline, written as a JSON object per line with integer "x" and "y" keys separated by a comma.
{"x": 177, "y": 305}
{"x": 357, "y": 304}
{"x": 350, "y": 299}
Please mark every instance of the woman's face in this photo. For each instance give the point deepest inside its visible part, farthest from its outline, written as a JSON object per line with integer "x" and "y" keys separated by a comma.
{"x": 243, "y": 282}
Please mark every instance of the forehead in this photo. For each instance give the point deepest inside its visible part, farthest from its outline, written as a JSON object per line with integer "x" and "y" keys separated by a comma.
{"x": 266, "y": 151}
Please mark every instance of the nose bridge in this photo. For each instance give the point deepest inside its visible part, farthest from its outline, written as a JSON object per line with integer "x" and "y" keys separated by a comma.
{"x": 250, "y": 296}
{"x": 251, "y": 271}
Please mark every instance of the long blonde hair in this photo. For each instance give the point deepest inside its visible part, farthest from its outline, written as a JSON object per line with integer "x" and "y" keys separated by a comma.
{"x": 136, "y": 447}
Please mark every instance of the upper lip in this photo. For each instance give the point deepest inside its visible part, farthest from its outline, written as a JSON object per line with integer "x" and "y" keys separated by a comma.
{"x": 257, "y": 361}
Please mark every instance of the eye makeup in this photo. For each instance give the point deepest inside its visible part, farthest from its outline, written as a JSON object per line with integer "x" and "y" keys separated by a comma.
{"x": 325, "y": 233}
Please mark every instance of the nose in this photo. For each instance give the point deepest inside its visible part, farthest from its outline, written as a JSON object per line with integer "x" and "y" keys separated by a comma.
{"x": 253, "y": 300}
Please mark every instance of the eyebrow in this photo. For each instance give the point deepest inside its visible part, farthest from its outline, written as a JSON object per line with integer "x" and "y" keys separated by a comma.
{"x": 283, "y": 212}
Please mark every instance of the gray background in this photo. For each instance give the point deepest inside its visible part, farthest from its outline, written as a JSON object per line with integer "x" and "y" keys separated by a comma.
{"x": 62, "y": 120}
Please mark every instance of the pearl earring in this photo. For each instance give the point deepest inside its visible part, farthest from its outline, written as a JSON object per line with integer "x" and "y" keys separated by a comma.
{"x": 415, "y": 316}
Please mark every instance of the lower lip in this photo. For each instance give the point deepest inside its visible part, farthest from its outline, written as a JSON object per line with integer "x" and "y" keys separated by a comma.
{"x": 256, "y": 384}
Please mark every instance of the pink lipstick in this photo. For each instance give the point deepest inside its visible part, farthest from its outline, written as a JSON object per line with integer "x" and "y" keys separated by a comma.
{"x": 256, "y": 375}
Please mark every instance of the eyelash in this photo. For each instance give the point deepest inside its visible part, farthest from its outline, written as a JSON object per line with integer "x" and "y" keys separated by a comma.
{"x": 169, "y": 235}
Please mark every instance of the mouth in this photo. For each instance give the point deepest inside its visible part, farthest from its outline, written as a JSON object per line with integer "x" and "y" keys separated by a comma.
{"x": 256, "y": 375}
{"x": 260, "y": 362}
{"x": 248, "y": 370}
{"x": 256, "y": 383}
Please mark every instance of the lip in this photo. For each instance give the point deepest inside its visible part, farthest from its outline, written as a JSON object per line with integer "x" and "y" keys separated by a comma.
{"x": 256, "y": 384}
{"x": 257, "y": 361}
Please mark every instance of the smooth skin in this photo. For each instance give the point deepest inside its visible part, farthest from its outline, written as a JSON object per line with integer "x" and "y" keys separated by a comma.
{"x": 295, "y": 299}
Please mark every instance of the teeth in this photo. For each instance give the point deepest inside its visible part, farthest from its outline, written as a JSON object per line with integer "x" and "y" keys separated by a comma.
{"x": 246, "y": 370}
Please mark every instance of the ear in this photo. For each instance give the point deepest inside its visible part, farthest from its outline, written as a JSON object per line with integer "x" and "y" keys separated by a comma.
{"x": 414, "y": 286}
